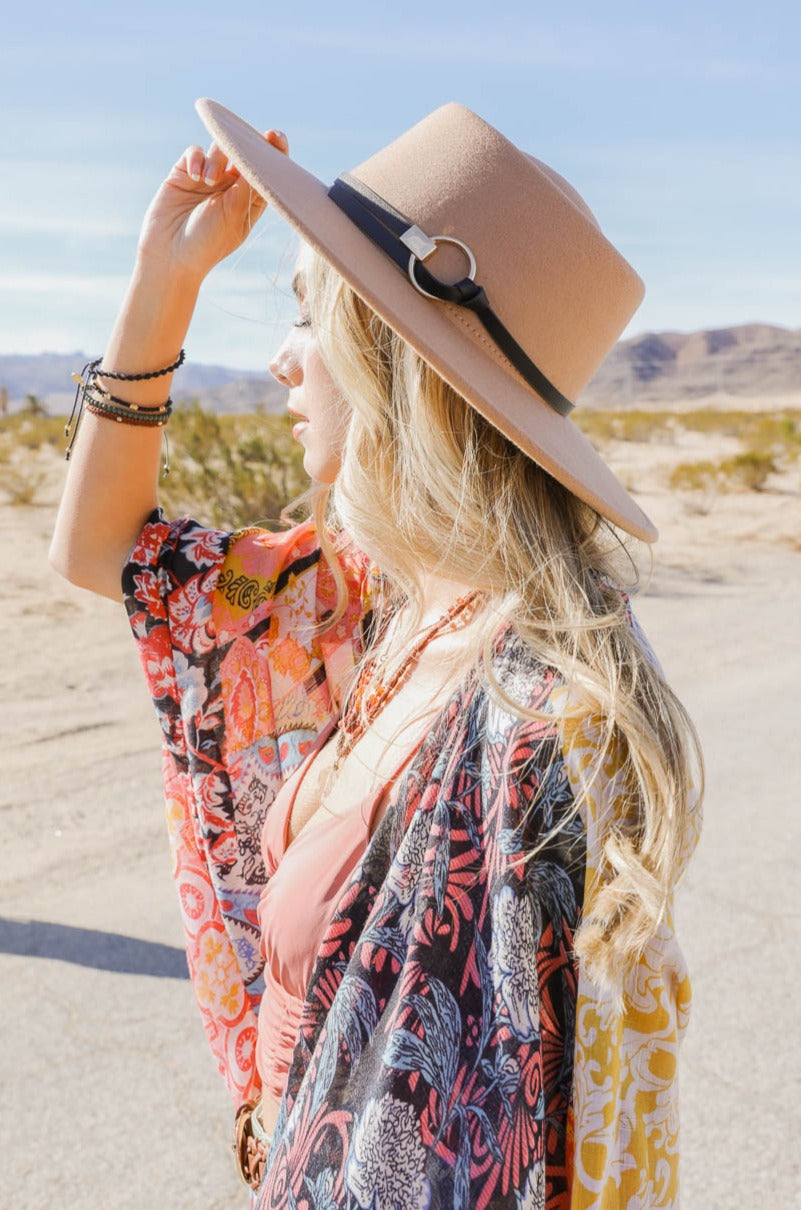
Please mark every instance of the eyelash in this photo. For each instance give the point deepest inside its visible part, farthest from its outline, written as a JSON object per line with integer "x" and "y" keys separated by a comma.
{"x": 303, "y": 323}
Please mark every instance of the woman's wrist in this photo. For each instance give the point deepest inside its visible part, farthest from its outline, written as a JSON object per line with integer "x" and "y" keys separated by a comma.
{"x": 168, "y": 283}
{"x": 150, "y": 330}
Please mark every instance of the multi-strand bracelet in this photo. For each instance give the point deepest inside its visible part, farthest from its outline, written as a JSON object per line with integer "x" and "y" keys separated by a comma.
{"x": 123, "y": 411}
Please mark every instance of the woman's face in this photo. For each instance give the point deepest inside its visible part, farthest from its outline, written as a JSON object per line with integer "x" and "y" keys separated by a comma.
{"x": 322, "y": 413}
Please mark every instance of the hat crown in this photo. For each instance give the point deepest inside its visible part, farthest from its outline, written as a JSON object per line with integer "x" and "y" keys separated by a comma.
{"x": 540, "y": 254}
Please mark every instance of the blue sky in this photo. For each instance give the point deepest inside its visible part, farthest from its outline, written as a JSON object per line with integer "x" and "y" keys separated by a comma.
{"x": 678, "y": 123}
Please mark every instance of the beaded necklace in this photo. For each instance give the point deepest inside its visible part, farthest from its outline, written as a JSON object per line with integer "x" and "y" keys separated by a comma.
{"x": 357, "y": 717}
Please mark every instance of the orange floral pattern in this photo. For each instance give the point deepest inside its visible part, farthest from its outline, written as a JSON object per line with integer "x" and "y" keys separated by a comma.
{"x": 242, "y": 688}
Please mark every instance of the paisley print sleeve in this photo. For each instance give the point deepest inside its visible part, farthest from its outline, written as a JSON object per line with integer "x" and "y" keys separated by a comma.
{"x": 242, "y": 684}
{"x": 168, "y": 585}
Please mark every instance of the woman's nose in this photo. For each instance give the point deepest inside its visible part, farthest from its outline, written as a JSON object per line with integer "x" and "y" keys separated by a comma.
{"x": 285, "y": 368}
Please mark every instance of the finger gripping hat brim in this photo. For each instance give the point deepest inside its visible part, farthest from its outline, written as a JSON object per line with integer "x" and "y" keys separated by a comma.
{"x": 555, "y": 283}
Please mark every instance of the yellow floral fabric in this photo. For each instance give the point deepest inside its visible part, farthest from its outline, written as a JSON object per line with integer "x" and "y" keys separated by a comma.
{"x": 624, "y": 1118}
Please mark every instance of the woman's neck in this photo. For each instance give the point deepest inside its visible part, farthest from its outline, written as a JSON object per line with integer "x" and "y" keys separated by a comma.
{"x": 438, "y": 596}
{"x": 455, "y": 645}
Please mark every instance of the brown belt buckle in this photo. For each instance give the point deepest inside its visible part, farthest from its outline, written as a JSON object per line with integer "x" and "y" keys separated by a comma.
{"x": 249, "y": 1152}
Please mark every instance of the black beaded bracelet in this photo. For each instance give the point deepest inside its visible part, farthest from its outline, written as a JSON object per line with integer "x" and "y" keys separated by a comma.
{"x": 136, "y": 377}
{"x": 108, "y": 412}
{"x": 122, "y": 416}
{"x": 138, "y": 415}
{"x": 95, "y": 390}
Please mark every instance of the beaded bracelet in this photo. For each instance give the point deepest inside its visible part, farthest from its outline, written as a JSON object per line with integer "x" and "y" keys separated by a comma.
{"x": 103, "y": 403}
{"x": 95, "y": 391}
{"x": 138, "y": 377}
{"x": 126, "y": 416}
{"x": 99, "y": 407}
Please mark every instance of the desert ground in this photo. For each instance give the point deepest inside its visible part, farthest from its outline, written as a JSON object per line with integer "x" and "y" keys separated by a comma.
{"x": 111, "y": 1098}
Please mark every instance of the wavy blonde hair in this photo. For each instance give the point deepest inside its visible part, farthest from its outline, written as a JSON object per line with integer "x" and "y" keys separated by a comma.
{"x": 427, "y": 485}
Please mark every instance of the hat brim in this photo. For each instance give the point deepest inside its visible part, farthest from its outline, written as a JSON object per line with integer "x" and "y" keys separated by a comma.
{"x": 552, "y": 440}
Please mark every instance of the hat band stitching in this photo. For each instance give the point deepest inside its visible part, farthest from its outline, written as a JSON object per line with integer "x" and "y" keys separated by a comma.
{"x": 386, "y": 227}
{"x": 479, "y": 333}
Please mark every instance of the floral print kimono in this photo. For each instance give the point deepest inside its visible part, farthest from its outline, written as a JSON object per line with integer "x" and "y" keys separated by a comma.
{"x": 450, "y": 1052}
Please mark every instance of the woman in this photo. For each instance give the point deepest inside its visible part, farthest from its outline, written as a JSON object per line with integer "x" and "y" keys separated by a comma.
{"x": 428, "y": 789}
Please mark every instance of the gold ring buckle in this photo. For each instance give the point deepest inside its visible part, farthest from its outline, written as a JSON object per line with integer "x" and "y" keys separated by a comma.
{"x": 250, "y": 1153}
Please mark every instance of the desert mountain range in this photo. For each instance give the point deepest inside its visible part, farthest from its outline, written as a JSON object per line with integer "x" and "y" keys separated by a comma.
{"x": 748, "y": 361}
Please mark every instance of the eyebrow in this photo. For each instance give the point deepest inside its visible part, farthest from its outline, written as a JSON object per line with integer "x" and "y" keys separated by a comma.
{"x": 297, "y": 284}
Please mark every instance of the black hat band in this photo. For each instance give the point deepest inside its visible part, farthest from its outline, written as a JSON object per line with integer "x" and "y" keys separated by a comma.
{"x": 408, "y": 247}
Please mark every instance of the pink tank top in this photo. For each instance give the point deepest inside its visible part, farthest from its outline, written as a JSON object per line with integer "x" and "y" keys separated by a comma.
{"x": 305, "y": 882}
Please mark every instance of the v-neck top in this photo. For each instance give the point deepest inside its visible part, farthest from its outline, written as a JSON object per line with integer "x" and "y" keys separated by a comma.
{"x": 305, "y": 880}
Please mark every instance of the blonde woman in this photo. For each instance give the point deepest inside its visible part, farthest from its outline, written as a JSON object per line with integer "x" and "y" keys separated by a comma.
{"x": 429, "y": 792}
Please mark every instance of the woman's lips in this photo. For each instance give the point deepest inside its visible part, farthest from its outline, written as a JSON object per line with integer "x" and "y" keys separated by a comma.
{"x": 300, "y": 421}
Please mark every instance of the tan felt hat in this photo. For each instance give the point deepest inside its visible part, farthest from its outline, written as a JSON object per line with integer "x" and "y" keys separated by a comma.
{"x": 485, "y": 260}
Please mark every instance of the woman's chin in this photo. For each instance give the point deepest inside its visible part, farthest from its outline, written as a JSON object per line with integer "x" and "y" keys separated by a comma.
{"x": 321, "y": 471}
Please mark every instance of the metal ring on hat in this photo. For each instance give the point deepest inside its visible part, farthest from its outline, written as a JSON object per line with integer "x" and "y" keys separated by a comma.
{"x": 391, "y": 231}
{"x": 421, "y": 255}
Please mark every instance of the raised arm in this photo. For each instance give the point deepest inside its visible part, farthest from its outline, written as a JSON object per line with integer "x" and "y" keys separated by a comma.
{"x": 200, "y": 214}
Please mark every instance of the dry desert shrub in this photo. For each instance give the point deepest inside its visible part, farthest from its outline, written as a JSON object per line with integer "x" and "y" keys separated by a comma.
{"x": 21, "y": 484}
{"x": 31, "y": 430}
{"x": 694, "y": 476}
{"x": 779, "y": 431}
{"x": 231, "y": 470}
{"x": 631, "y": 424}
{"x": 722, "y": 422}
{"x": 772, "y": 444}
{"x": 22, "y": 434}
{"x": 747, "y": 471}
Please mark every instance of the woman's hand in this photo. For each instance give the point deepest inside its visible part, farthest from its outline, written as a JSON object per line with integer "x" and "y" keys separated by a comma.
{"x": 201, "y": 213}
{"x": 112, "y": 482}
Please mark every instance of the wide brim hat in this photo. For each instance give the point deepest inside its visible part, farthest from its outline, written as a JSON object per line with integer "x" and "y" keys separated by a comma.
{"x": 401, "y": 229}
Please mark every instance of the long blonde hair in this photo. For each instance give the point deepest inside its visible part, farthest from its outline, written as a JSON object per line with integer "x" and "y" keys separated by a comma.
{"x": 428, "y": 485}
